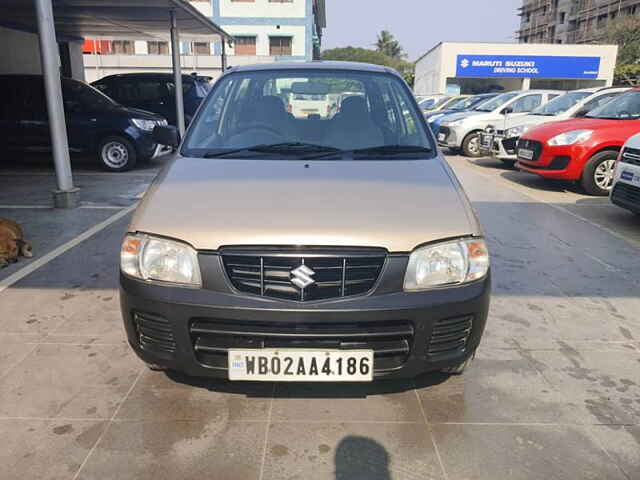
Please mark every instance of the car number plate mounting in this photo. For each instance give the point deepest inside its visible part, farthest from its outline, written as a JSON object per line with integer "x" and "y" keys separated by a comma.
{"x": 441, "y": 137}
{"x": 525, "y": 153}
{"x": 300, "y": 365}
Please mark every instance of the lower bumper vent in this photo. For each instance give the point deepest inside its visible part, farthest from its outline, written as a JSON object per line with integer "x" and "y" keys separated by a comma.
{"x": 390, "y": 341}
{"x": 154, "y": 334}
{"x": 449, "y": 336}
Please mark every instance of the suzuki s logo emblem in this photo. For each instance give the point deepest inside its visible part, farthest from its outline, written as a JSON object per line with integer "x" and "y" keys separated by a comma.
{"x": 301, "y": 277}
{"x": 464, "y": 63}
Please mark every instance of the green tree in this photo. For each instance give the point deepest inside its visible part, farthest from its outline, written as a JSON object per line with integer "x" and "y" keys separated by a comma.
{"x": 625, "y": 32}
{"x": 387, "y": 44}
{"x": 365, "y": 55}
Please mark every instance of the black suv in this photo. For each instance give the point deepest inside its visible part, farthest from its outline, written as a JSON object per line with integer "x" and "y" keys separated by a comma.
{"x": 120, "y": 136}
{"x": 155, "y": 92}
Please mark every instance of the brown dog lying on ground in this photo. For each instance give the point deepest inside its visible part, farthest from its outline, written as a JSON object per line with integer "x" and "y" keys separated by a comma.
{"x": 12, "y": 243}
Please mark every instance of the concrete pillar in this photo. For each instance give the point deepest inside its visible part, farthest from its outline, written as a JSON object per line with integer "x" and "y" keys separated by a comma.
{"x": 526, "y": 84}
{"x": 177, "y": 72}
{"x": 66, "y": 195}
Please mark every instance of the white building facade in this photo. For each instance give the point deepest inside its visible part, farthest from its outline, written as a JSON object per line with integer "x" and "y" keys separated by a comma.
{"x": 265, "y": 31}
{"x": 470, "y": 68}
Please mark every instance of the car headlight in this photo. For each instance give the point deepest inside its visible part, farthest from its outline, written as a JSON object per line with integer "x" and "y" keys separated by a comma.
{"x": 517, "y": 131}
{"x": 142, "y": 124}
{"x": 569, "y": 138}
{"x": 449, "y": 263}
{"x": 433, "y": 118}
{"x": 158, "y": 259}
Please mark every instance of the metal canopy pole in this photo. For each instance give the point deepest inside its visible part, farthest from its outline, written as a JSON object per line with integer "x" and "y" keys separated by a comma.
{"x": 223, "y": 57}
{"x": 177, "y": 71}
{"x": 65, "y": 196}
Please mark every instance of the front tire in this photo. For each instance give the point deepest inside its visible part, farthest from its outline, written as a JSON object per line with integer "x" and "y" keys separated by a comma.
{"x": 117, "y": 154}
{"x": 597, "y": 177}
{"x": 471, "y": 145}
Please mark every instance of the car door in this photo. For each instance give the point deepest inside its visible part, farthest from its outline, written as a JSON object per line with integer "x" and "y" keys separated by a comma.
{"x": 11, "y": 112}
{"x": 80, "y": 114}
{"x": 34, "y": 120}
{"x": 521, "y": 106}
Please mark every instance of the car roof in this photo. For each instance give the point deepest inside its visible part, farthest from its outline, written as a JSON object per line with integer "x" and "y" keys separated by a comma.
{"x": 314, "y": 65}
{"x": 162, "y": 75}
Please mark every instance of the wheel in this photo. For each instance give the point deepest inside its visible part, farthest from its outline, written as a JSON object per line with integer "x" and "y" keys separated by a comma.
{"x": 597, "y": 177}
{"x": 117, "y": 154}
{"x": 459, "y": 368}
{"x": 471, "y": 145}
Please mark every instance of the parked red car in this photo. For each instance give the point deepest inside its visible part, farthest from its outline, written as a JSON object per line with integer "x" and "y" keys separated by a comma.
{"x": 582, "y": 149}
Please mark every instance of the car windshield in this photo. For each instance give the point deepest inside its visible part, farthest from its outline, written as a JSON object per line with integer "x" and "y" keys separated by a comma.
{"x": 456, "y": 103}
{"x": 624, "y": 107}
{"x": 560, "y": 104}
{"x": 496, "y": 102}
{"x": 440, "y": 101}
{"x": 469, "y": 102}
{"x": 86, "y": 95}
{"x": 307, "y": 113}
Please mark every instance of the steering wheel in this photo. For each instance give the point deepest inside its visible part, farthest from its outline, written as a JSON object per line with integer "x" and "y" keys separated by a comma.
{"x": 262, "y": 127}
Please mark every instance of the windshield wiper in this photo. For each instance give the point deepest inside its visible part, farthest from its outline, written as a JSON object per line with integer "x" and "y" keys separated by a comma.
{"x": 288, "y": 147}
{"x": 392, "y": 150}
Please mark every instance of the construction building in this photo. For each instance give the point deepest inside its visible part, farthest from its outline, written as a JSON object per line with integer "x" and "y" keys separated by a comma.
{"x": 570, "y": 21}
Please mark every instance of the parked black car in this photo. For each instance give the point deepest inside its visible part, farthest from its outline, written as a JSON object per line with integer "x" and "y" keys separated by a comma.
{"x": 119, "y": 135}
{"x": 155, "y": 92}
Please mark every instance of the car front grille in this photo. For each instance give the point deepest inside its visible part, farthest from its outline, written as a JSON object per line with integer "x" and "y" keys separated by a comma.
{"x": 304, "y": 275}
{"x": 449, "y": 336}
{"x": 509, "y": 145}
{"x": 154, "y": 334}
{"x": 631, "y": 156}
{"x": 626, "y": 194}
{"x": 533, "y": 145}
{"x": 391, "y": 342}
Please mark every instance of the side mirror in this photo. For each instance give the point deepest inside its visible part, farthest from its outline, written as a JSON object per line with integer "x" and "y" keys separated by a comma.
{"x": 166, "y": 135}
{"x": 581, "y": 113}
{"x": 507, "y": 110}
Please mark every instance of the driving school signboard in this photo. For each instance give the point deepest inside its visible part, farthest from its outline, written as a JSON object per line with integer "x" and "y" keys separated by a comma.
{"x": 527, "y": 66}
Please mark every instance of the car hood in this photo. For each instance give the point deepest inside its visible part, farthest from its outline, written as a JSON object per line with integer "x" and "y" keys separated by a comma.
{"x": 452, "y": 117}
{"x": 137, "y": 113}
{"x": 550, "y": 130}
{"x": 397, "y": 205}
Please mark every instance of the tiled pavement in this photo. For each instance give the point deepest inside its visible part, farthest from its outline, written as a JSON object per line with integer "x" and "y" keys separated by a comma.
{"x": 554, "y": 392}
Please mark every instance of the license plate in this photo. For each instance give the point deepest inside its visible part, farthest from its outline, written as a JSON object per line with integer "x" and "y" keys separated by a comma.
{"x": 299, "y": 365}
{"x": 441, "y": 137}
{"x": 525, "y": 153}
{"x": 630, "y": 177}
{"x": 487, "y": 141}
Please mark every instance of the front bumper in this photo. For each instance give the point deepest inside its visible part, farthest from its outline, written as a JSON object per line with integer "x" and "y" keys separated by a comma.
{"x": 449, "y": 137}
{"x": 430, "y": 315}
{"x": 626, "y": 188}
{"x": 554, "y": 162}
{"x": 498, "y": 146}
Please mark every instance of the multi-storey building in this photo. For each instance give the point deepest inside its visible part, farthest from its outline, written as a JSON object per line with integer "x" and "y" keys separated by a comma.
{"x": 570, "y": 21}
{"x": 264, "y": 31}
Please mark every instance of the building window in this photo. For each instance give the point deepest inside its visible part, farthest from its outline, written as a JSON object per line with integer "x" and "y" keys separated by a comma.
{"x": 158, "y": 48}
{"x": 122, "y": 47}
{"x": 202, "y": 48}
{"x": 563, "y": 16}
{"x": 279, "y": 46}
{"x": 245, "y": 46}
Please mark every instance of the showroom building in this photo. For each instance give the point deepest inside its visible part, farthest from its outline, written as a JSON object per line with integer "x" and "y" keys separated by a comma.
{"x": 468, "y": 68}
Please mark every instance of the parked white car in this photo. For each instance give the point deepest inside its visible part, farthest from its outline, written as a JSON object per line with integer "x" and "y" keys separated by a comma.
{"x": 626, "y": 182}
{"x": 499, "y": 140}
{"x": 462, "y": 130}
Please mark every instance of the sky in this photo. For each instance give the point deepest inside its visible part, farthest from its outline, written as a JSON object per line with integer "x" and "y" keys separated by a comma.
{"x": 419, "y": 24}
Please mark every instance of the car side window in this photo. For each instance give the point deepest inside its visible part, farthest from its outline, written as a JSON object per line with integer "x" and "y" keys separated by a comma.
{"x": 599, "y": 101}
{"x": 526, "y": 103}
{"x": 106, "y": 88}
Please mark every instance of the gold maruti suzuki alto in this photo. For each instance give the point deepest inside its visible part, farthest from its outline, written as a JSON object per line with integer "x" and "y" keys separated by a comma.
{"x": 285, "y": 245}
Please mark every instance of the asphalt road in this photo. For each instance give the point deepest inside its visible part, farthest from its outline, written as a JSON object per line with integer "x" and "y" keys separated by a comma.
{"x": 554, "y": 392}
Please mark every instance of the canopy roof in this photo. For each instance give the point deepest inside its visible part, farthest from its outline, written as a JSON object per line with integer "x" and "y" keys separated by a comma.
{"x": 115, "y": 19}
